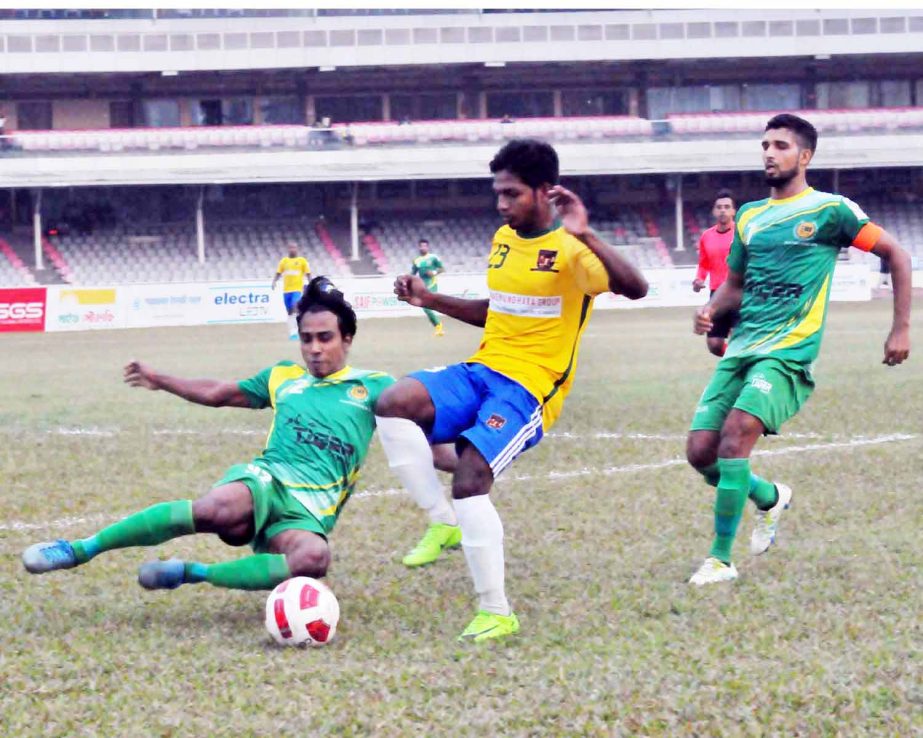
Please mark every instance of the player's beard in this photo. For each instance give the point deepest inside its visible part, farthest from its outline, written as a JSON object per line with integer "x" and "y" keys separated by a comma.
{"x": 782, "y": 178}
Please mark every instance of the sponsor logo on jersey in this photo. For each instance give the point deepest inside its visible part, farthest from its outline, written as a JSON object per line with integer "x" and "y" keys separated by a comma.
{"x": 496, "y": 421}
{"x": 545, "y": 261}
{"x": 527, "y": 306}
{"x": 358, "y": 392}
{"x": 805, "y": 230}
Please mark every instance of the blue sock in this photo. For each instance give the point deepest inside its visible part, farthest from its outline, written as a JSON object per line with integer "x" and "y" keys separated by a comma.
{"x": 195, "y": 572}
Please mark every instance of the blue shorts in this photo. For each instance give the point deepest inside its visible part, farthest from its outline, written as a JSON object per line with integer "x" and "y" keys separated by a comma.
{"x": 291, "y": 299}
{"x": 498, "y": 416}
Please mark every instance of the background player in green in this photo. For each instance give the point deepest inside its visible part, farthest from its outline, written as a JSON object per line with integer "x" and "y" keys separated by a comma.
{"x": 287, "y": 500}
{"x": 428, "y": 267}
{"x": 781, "y": 266}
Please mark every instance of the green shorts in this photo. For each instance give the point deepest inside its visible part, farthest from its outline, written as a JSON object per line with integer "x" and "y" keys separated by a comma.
{"x": 274, "y": 508}
{"x": 767, "y": 388}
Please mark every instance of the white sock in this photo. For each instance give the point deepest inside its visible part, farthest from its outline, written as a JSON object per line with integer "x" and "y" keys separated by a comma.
{"x": 411, "y": 459}
{"x": 292, "y": 326}
{"x": 482, "y": 541}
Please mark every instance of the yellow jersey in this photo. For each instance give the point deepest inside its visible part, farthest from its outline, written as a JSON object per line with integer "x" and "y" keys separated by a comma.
{"x": 541, "y": 296}
{"x": 293, "y": 271}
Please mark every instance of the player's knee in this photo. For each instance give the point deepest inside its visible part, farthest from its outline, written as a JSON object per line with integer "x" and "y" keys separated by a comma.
{"x": 473, "y": 476}
{"x": 405, "y": 399}
{"x": 738, "y": 436}
{"x": 699, "y": 454}
{"x": 310, "y": 560}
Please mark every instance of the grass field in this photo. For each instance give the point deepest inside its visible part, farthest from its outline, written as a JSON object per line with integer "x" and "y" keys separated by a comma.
{"x": 604, "y": 525}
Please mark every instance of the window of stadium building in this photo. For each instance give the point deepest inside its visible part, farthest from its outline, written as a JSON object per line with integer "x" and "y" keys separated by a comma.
{"x": 34, "y": 115}
{"x": 281, "y": 110}
{"x": 233, "y": 111}
{"x": 160, "y": 113}
{"x": 349, "y": 108}
{"x": 838, "y": 95}
{"x": 428, "y": 106}
{"x": 662, "y": 101}
{"x": 594, "y": 102}
{"x": 771, "y": 97}
{"x": 520, "y": 104}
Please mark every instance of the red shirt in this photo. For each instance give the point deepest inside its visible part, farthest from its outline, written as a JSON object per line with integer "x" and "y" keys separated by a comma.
{"x": 713, "y": 253}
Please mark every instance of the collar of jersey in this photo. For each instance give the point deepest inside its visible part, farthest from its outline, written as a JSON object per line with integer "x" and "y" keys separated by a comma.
{"x": 538, "y": 234}
{"x": 804, "y": 193}
{"x": 336, "y": 375}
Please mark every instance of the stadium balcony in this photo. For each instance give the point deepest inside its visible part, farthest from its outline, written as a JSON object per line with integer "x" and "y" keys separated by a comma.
{"x": 826, "y": 121}
{"x": 443, "y": 132}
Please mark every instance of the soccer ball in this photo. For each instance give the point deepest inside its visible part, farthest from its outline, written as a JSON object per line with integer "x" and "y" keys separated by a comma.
{"x": 300, "y": 611}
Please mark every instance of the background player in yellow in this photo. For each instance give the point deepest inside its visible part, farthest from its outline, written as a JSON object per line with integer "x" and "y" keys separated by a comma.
{"x": 428, "y": 266}
{"x": 542, "y": 276}
{"x": 780, "y": 268}
{"x": 295, "y": 272}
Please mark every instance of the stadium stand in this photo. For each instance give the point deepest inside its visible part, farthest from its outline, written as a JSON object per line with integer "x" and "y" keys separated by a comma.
{"x": 167, "y": 253}
{"x": 13, "y": 272}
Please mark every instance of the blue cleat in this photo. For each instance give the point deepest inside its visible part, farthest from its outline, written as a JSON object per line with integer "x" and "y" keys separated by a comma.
{"x": 162, "y": 574}
{"x": 44, "y": 557}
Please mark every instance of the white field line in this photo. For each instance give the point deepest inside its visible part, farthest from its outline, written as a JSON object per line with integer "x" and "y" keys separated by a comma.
{"x": 70, "y": 522}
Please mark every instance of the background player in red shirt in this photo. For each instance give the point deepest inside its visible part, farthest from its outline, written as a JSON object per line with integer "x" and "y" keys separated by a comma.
{"x": 714, "y": 245}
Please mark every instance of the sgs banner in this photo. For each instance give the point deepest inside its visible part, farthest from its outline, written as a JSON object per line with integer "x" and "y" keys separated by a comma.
{"x": 22, "y": 309}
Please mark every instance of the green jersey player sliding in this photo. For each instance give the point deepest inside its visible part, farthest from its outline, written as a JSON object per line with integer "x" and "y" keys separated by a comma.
{"x": 781, "y": 267}
{"x": 286, "y": 501}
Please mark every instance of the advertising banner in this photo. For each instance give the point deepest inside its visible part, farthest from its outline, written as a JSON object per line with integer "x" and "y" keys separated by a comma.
{"x": 243, "y": 302}
{"x": 149, "y": 305}
{"x": 83, "y": 308}
{"x": 22, "y": 309}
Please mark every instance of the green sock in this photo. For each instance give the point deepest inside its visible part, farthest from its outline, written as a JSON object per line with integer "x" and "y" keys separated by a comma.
{"x": 729, "y": 505}
{"x": 153, "y": 525}
{"x": 763, "y": 493}
{"x": 433, "y": 318}
{"x": 260, "y": 571}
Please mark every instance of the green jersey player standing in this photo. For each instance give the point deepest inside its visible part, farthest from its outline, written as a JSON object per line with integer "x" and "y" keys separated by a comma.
{"x": 428, "y": 267}
{"x": 781, "y": 267}
{"x": 286, "y": 501}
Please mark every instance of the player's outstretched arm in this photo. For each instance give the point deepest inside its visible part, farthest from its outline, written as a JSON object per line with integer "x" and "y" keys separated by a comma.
{"x": 210, "y": 392}
{"x": 624, "y": 277}
{"x": 412, "y": 290}
{"x": 897, "y": 345}
{"x": 727, "y": 297}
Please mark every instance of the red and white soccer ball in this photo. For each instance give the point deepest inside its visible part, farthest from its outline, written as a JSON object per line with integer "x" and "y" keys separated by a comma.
{"x": 300, "y": 611}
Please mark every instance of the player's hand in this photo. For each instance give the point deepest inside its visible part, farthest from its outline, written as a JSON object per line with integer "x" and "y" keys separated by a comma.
{"x": 702, "y": 323}
{"x": 897, "y": 347}
{"x": 140, "y": 375}
{"x": 411, "y": 289}
{"x": 697, "y": 285}
{"x": 571, "y": 210}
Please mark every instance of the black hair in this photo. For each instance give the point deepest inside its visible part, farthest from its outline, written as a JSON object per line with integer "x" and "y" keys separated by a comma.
{"x": 534, "y": 162}
{"x": 320, "y": 295}
{"x": 423, "y": 240}
{"x": 803, "y": 130}
{"x": 722, "y": 194}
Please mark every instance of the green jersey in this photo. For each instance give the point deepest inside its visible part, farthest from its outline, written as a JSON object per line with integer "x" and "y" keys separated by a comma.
{"x": 320, "y": 432}
{"x": 428, "y": 268}
{"x": 786, "y": 251}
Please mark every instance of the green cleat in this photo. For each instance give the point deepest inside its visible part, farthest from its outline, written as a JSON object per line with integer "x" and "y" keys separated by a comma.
{"x": 488, "y": 625}
{"x": 438, "y": 537}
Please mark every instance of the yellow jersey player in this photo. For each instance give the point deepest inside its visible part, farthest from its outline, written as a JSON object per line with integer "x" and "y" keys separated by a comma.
{"x": 544, "y": 269}
{"x": 295, "y": 271}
